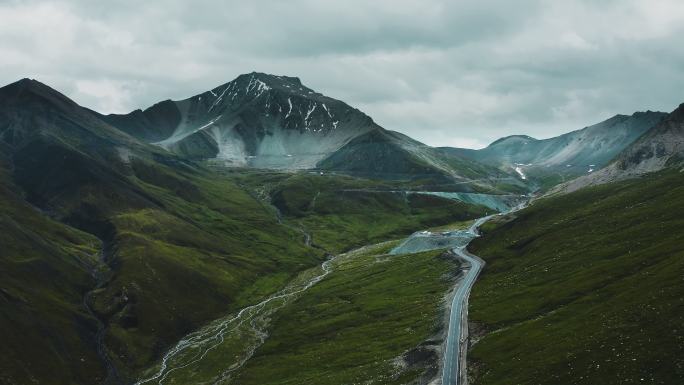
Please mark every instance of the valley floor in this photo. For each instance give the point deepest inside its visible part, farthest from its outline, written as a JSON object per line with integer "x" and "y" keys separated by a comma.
{"x": 375, "y": 317}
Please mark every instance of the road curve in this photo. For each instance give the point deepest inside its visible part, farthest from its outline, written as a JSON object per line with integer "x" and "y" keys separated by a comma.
{"x": 454, "y": 350}
{"x": 458, "y": 318}
{"x": 458, "y": 322}
{"x": 456, "y": 347}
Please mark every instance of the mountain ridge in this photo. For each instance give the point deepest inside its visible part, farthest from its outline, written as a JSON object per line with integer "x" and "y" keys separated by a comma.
{"x": 568, "y": 155}
{"x": 660, "y": 147}
{"x": 512, "y": 137}
{"x": 257, "y": 119}
{"x": 271, "y": 121}
{"x": 275, "y": 122}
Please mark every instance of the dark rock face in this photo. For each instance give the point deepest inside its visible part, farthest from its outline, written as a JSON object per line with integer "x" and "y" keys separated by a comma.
{"x": 61, "y": 153}
{"x": 657, "y": 147}
{"x": 256, "y": 120}
{"x": 152, "y": 125}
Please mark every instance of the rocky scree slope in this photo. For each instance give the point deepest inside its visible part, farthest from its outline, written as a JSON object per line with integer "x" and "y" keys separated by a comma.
{"x": 660, "y": 147}
{"x": 572, "y": 154}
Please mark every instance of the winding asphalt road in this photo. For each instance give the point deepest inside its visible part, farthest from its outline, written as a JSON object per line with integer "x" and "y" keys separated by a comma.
{"x": 455, "y": 346}
{"x": 455, "y": 352}
{"x": 458, "y": 322}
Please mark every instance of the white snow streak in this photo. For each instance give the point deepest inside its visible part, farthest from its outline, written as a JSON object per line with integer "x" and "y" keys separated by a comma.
{"x": 218, "y": 100}
{"x": 208, "y": 124}
{"x": 290, "y": 110}
{"x": 520, "y": 172}
{"x": 308, "y": 113}
{"x": 327, "y": 111}
{"x": 256, "y": 85}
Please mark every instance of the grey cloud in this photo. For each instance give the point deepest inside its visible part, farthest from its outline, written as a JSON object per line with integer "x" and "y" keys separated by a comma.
{"x": 445, "y": 72}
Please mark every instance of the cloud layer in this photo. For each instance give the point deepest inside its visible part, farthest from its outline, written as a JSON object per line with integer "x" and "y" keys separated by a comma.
{"x": 459, "y": 73}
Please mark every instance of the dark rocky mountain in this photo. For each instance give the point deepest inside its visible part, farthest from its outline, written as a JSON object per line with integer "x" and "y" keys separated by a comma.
{"x": 256, "y": 120}
{"x": 572, "y": 154}
{"x": 65, "y": 158}
{"x": 268, "y": 121}
{"x": 152, "y": 125}
{"x": 660, "y": 147}
{"x": 33, "y": 111}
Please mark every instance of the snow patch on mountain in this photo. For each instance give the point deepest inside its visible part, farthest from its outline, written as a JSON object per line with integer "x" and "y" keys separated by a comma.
{"x": 520, "y": 172}
{"x": 289, "y": 111}
{"x": 308, "y": 114}
{"x": 256, "y": 85}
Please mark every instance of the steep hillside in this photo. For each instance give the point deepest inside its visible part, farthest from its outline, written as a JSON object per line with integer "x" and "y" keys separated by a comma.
{"x": 379, "y": 152}
{"x": 65, "y": 159}
{"x": 572, "y": 154}
{"x": 32, "y": 112}
{"x": 45, "y": 269}
{"x": 662, "y": 146}
{"x": 390, "y": 154}
{"x": 584, "y": 289}
{"x": 125, "y": 235}
{"x": 153, "y": 125}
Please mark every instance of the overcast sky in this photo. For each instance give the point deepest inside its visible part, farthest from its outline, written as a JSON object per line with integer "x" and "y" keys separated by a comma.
{"x": 446, "y": 72}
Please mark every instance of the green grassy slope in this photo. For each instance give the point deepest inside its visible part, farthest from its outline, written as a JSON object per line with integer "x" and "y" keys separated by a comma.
{"x": 190, "y": 260}
{"x": 184, "y": 244}
{"x": 368, "y": 322}
{"x": 344, "y": 212}
{"x": 184, "y": 247}
{"x": 44, "y": 271}
{"x": 585, "y": 288}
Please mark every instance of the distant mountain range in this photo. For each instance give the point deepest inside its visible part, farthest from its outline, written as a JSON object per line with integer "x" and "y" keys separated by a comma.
{"x": 569, "y": 155}
{"x": 275, "y": 122}
{"x": 268, "y": 121}
{"x": 660, "y": 147}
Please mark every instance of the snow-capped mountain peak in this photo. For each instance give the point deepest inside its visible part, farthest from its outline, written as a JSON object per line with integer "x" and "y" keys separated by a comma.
{"x": 262, "y": 120}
